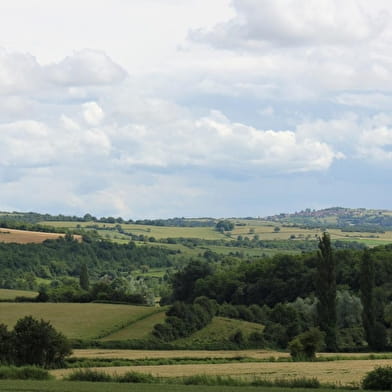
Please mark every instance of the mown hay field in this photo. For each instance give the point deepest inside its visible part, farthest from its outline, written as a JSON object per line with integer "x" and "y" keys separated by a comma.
{"x": 260, "y": 354}
{"x": 344, "y": 373}
{"x": 77, "y": 321}
{"x": 153, "y": 354}
{"x": 12, "y": 294}
{"x": 26, "y": 237}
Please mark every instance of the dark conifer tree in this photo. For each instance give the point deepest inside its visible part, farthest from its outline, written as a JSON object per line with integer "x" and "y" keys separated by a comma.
{"x": 84, "y": 280}
{"x": 326, "y": 291}
{"x": 367, "y": 296}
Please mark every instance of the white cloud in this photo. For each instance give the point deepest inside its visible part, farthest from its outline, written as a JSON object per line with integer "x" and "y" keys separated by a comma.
{"x": 86, "y": 67}
{"x": 92, "y": 113}
{"x": 296, "y": 23}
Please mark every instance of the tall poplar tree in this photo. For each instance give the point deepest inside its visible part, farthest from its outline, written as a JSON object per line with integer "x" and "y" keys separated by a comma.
{"x": 84, "y": 280}
{"x": 326, "y": 291}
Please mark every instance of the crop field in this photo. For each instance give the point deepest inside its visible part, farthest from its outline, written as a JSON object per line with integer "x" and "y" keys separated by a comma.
{"x": 153, "y": 354}
{"x": 12, "y": 294}
{"x": 72, "y": 386}
{"x": 78, "y": 321}
{"x": 25, "y": 237}
{"x": 345, "y": 372}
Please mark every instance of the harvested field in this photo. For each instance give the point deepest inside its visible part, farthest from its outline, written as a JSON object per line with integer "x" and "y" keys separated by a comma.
{"x": 141, "y": 354}
{"x": 26, "y": 237}
{"x": 347, "y": 372}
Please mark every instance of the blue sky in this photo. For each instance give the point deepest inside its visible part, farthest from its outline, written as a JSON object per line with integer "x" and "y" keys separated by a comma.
{"x": 162, "y": 108}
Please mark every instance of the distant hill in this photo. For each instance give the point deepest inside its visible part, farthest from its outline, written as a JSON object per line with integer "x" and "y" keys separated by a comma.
{"x": 338, "y": 217}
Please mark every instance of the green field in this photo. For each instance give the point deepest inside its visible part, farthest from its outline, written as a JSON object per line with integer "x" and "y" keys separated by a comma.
{"x": 218, "y": 332}
{"x": 250, "y": 228}
{"x": 75, "y": 320}
{"x": 12, "y": 294}
{"x": 68, "y": 386}
{"x": 138, "y": 330}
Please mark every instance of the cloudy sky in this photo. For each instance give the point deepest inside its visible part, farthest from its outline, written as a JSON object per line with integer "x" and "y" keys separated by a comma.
{"x": 162, "y": 108}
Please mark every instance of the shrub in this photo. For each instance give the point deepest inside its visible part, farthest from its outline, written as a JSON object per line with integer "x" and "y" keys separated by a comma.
{"x": 23, "y": 373}
{"x": 134, "y": 377}
{"x": 89, "y": 375}
{"x": 378, "y": 379}
{"x": 38, "y": 343}
{"x": 305, "y": 345}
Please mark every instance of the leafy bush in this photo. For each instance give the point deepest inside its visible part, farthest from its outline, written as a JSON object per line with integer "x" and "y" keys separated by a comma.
{"x": 378, "y": 379}
{"x": 38, "y": 343}
{"x": 89, "y": 375}
{"x": 305, "y": 345}
{"x": 23, "y": 373}
{"x": 134, "y": 377}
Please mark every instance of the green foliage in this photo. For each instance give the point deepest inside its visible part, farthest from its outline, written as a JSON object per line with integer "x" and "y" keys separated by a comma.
{"x": 84, "y": 280}
{"x": 326, "y": 291}
{"x": 6, "y": 345}
{"x": 305, "y": 345}
{"x": 184, "y": 281}
{"x": 367, "y": 282}
{"x": 184, "y": 319}
{"x": 24, "y": 373}
{"x": 89, "y": 375}
{"x": 38, "y": 343}
{"x": 379, "y": 379}
{"x": 63, "y": 257}
{"x": 224, "y": 225}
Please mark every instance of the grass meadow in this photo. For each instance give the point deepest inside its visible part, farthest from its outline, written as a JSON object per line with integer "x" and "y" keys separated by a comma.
{"x": 78, "y": 321}
{"x": 72, "y": 386}
{"x": 6, "y": 294}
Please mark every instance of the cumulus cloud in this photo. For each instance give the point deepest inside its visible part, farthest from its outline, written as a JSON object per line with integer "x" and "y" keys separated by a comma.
{"x": 297, "y": 23}
{"x": 86, "y": 67}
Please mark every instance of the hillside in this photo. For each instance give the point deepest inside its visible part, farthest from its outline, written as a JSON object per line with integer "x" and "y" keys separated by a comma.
{"x": 78, "y": 321}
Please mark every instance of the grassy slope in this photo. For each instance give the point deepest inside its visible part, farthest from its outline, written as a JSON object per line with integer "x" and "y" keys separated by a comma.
{"x": 79, "y": 321}
{"x": 219, "y": 331}
{"x": 138, "y": 330}
{"x": 67, "y": 386}
{"x": 12, "y": 294}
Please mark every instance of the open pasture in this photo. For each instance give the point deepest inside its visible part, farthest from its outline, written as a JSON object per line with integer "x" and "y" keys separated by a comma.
{"x": 12, "y": 294}
{"x": 139, "y": 329}
{"x": 75, "y": 320}
{"x": 343, "y": 373}
{"x": 208, "y": 233}
{"x": 245, "y": 228}
{"x": 72, "y": 386}
{"x": 25, "y": 236}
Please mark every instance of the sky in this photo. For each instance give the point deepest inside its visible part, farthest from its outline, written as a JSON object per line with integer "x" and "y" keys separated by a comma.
{"x": 194, "y": 108}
